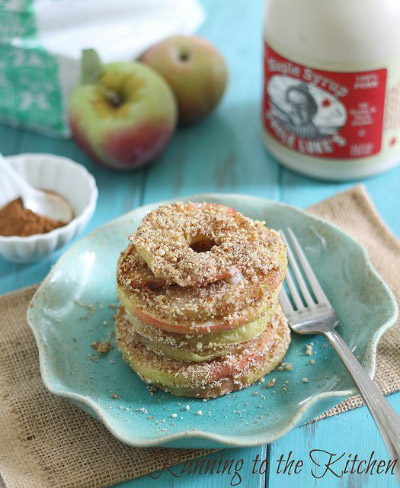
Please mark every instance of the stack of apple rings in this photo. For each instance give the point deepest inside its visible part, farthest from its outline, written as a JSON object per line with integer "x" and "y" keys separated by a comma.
{"x": 198, "y": 289}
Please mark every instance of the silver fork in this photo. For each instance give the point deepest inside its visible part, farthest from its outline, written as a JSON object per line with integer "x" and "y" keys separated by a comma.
{"x": 317, "y": 316}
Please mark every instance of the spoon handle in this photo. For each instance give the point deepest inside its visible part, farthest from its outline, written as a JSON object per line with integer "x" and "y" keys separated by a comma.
{"x": 25, "y": 189}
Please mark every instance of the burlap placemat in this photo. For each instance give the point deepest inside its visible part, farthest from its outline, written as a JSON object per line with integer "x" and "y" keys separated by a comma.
{"x": 47, "y": 442}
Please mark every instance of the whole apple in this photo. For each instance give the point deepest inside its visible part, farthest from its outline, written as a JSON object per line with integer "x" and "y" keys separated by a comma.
{"x": 122, "y": 114}
{"x": 195, "y": 71}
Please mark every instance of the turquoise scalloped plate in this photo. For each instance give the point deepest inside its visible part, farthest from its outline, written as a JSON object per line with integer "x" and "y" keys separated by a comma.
{"x": 71, "y": 309}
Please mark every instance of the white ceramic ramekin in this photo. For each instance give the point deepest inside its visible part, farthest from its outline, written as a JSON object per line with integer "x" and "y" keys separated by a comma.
{"x": 58, "y": 174}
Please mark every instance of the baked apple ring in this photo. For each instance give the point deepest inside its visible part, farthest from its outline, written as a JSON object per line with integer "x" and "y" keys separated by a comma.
{"x": 208, "y": 379}
{"x": 202, "y": 347}
{"x": 194, "y": 244}
{"x": 218, "y": 306}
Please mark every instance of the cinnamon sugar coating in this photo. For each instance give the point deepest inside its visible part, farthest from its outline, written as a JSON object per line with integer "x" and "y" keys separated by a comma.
{"x": 198, "y": 289}
{"x": 207, "y": 379}
{"x": 202, "y": 347}
{"x": 193, "y": 244}
{"x": 133, "y": 272}
{"x": 224, "y": 301}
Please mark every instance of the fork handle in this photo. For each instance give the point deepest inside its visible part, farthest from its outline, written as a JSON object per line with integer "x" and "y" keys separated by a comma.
{"x": 386, "y": 419}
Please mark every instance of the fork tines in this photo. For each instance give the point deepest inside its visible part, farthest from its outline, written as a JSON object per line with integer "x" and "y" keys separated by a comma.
{"x": 300, "y": 294}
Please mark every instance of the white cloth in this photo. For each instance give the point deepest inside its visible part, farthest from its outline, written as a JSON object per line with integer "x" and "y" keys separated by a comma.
{"x": 118, "y": 29}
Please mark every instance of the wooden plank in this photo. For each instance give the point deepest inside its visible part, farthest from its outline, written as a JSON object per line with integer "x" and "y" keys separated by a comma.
{"x": 8, "y": 139}
{"x": 301, "y": 191}
{"x": 351, "y": 433}
{"x": 242, "y": 476}
{"x": 224, "y": 152}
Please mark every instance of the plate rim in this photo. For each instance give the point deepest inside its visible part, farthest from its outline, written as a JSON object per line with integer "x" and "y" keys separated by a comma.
{"x": 248, "y": 440}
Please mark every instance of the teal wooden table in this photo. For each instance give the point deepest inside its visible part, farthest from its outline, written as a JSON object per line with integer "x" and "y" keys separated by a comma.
{"x": 224, "y": 153}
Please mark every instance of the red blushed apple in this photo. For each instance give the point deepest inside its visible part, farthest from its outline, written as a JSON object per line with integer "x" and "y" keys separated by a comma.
{"x": 205, "y": 328}
{"x": 124, "y": 115}
{"x": 195, "y": 71}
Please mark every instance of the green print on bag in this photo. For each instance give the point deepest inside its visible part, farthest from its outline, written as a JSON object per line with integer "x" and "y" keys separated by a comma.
{"x": 17, "y": 19}
{"x": 30, "y": 93}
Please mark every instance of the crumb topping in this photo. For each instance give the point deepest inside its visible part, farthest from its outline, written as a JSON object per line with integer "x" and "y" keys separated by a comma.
{"x": 309, "y": 349}
{"x": 253, "y": 358}
{"x": 197, "y": 268}
{"x": 192, "y": 244}
{"x": 234, "y": 304}
{"x": 172, "y": 344}
{"x": 270, "y": 383}
{"x": 101, "y": 347}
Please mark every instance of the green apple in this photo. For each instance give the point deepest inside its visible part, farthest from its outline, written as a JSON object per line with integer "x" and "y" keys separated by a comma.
{"x": 195, "y": 71}
{"x": 122, "y": 114}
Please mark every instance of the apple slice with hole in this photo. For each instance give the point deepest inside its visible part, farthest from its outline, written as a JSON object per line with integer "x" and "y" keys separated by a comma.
{"x": 204, "y": 342}
{"x": 199, "y": 243}
{"x": 207, "y": 346}
{"x": 204, "y": 328}
{"x": 130, "y": 303}
{"x": 209, "y": 378}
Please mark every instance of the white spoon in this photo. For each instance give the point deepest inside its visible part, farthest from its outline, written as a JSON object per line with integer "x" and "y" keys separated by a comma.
{"x": 48, "y": 205}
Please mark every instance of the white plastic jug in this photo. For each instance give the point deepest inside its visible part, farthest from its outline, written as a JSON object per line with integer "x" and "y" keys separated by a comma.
{"x": 331, "y": 104}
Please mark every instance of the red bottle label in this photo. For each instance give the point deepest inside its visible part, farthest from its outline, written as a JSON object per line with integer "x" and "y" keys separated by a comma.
{"x": 323, "y": 113}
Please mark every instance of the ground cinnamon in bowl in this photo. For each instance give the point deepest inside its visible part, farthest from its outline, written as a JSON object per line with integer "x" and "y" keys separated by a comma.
{"x": 15, "y": 220}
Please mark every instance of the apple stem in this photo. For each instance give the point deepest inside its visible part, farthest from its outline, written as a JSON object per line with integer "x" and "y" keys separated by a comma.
{"x": 91, "y": 67}
{"x": 92, "y": 70}
{"x": 113, "y": 97}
